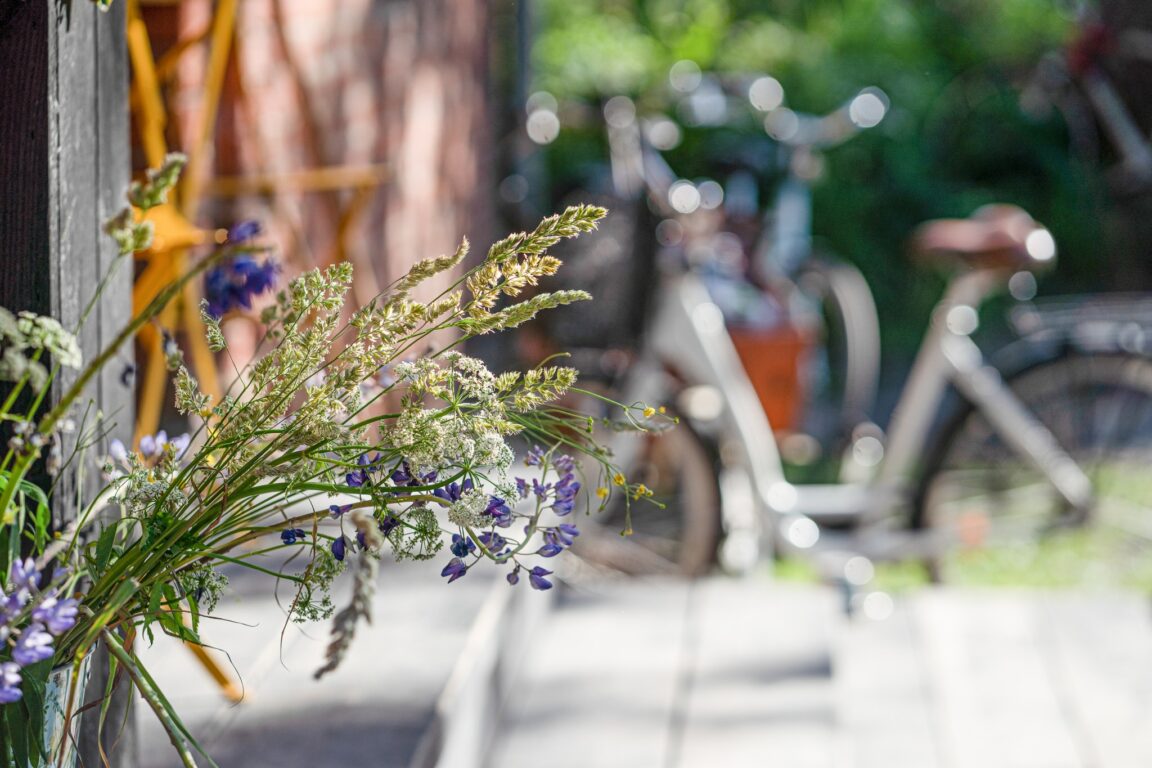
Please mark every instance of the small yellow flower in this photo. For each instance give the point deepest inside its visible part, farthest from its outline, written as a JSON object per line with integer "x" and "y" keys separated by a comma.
{"x": 602, "y": 492}
{"x": 663, "y": 409}
{"x": 619, "y": 479}
{"x": 641, "y": 491}
{"x": 649, "y": 412}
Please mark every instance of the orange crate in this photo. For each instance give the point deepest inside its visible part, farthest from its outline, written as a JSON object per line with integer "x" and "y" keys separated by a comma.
{"x": 774, "y": 361}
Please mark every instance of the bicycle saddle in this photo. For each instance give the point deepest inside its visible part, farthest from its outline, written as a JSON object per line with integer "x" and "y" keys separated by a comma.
{"x": 998, "y": 236}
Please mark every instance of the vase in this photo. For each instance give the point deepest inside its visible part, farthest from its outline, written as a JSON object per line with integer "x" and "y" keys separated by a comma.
{"x": 63, "y": 695}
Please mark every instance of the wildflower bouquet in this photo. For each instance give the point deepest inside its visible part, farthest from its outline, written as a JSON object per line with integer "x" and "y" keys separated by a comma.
{"x": 343, "y": 438}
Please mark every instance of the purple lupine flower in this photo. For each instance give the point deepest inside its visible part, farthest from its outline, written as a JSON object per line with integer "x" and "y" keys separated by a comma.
{"x": 232, "y": 284}
{"x": 537, "y": 580}
{"x": 535, "y": 456}
{"x": 180, "y": 445}
{"x": 566, "y": 533}
{"x": 565, "y": 464}
{"x": 499, "y": 511}
{"x": 338, "y": 511}
{"x": 10, "y": 682}
{"x": 290, "y": 535}
{"x": 514, "y": 576}
{"x": 540, "y": 489}
{"x": 389, "y": 522}
{"x": 23, "y": 576}
{"x": 453, "y": 491}
{"x": 462, "y": 546}
{"x": 552, "y": 545}
{"x": 58, "y": 616}
{"x": 339, "y": 547}
{"x": 258, "y": 277}
{"x": 404, "y": 476}
{"x": 564, "y": 493}
{"x": 12, "y": 604}
{"x": 245, "y": 230}
{"x": 152, "y": 445}
{"x": 557, "y": 539}
{"x": 358, "y": 477}
{"x": 116, "y": 451}
{"x": 34, "y": 645}
{"x": 522, "y": 487}
{"x": 454, "y": 570}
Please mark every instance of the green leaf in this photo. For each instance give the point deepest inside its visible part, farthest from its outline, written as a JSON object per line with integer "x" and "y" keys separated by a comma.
{"x": 155, "y": 601}
{"x": 25, "y": 718}
{"x": 174, "y": 626}
{"x": 104, "y": 548}
{"x": 16, "y": 736}
{"x": 194, "y": 612}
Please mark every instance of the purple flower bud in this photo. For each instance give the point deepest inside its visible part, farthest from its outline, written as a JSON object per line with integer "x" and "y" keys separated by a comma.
{"x": 338, "y": 511}
{"x": 338, "y": 548}
{"x": 10, "y": 682}
{"x": 290, "y": 535}
{"x": 537, "y": 580}
{"x": 454, "y": 570}
{"x": 245, "y": 230}
{"x": 535, "y": 456}
{"x": 514, "y": 576}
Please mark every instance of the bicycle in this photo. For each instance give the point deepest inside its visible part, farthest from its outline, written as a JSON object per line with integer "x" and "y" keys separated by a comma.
{"x": 930, "y": 490}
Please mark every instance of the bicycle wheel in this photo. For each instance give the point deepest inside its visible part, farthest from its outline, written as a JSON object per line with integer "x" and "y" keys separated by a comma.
{"x": 679, "y": 538}
{"x": 1008, "y": 524}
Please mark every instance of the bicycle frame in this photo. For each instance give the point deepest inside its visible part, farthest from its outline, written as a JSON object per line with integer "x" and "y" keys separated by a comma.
{"x": 687, "y": 333}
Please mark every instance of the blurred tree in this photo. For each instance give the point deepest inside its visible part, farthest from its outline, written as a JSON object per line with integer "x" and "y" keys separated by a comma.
{"x": 956, "y": 137}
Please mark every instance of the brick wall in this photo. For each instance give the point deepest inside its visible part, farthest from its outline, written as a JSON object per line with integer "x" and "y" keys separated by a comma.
{"x": 337, "y": 82}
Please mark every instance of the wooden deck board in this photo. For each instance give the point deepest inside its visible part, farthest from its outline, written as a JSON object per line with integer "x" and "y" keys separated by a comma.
{"x": 1101, "y": 654}
{"x": 993, "y": 698}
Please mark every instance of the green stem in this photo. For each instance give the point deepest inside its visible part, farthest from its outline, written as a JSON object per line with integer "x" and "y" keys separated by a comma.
{"x": 61, "y": 408}
{"x": 151, "y": 697}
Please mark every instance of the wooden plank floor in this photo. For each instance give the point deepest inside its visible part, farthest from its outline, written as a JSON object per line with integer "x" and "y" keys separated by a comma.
{"x": 747, "y": 673}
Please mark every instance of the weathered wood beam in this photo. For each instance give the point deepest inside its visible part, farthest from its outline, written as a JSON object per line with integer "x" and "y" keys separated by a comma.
{"x": 64, "y": 166}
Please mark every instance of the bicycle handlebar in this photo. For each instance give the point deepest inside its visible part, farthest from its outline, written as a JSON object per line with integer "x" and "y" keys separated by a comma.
{"x": 799, "y": 130}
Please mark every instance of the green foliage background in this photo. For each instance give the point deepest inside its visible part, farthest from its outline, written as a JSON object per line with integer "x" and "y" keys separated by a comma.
{"x": 956, "y": 137}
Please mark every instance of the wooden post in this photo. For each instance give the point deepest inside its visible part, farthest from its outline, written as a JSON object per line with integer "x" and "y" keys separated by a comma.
{"x": 64, "y": 166}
